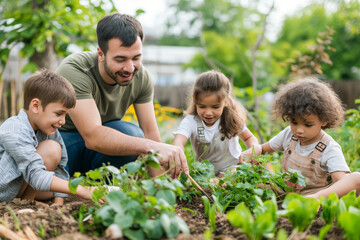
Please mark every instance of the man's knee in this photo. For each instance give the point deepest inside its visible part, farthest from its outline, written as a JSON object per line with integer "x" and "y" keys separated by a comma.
{"x": 50, "y": 152}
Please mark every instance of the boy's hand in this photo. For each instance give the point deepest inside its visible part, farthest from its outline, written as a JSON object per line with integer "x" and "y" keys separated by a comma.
{"x": 87, "y": 192}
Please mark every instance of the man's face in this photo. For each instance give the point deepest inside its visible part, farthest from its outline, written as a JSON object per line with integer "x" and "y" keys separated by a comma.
{"x": 121, "y": 63}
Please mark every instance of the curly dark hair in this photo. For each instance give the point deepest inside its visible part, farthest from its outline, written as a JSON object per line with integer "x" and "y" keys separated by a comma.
{"x": 309, "y": 96}
{"x": 233, "y": 118}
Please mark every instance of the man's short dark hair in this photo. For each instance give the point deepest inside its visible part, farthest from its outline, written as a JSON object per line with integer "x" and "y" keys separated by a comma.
{"x": 120, "y": 26}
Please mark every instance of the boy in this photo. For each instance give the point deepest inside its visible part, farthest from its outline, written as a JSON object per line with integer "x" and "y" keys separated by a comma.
{"x": 32, "y": 153}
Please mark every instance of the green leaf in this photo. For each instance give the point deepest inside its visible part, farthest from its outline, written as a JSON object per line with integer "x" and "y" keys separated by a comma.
{"x": 94, "y": 174}
{"x": 212, "y": 217}
{"x": 324, "y": 230}
{"x": 153, "y": 229}
{"x": 153, "y": 162}
{"x": 29, "y": 67}
{"x": 168, "y": 195}
{"x": 133, "y": 166}
{"x": 148, "y": 186}
{"x": 240, "y": 217}
{"x": 113, "y": 170}
{"x": 4, "y": 56}
{"x": 134, "y": 234}
{"x": 258, "y": 191}
{"x": 74, "y": 183}
{"x": 348, "y": 221}
{"x": 206, "y": 205}
{"x": 170, "y": 225}
{"x": 116, "y": 200}
{"x": 106, "y": 213}
{"x": 123, "y": 220}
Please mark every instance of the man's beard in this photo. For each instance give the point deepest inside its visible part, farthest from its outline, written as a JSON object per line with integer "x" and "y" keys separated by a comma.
{"x": 113, "y": 76}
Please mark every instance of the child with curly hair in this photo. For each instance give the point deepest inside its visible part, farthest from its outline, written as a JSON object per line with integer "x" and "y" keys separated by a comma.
{"x": 214, "y": 123}
{"x": 311, "y": 106}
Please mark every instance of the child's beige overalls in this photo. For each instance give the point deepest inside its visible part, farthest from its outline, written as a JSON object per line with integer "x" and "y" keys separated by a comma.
{"x": 216, "y": 151}
{"x": 310, "y": 168}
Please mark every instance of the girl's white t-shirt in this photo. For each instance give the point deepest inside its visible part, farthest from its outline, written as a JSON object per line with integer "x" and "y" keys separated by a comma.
{"x": 188, "y": 128}
{"x": 331, "y": 160}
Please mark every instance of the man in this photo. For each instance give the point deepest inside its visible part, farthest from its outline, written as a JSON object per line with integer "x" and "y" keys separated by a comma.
{"x": 106, "y": 84}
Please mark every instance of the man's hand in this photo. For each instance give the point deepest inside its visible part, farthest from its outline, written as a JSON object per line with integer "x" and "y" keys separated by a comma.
{"x": 173, "y": 158}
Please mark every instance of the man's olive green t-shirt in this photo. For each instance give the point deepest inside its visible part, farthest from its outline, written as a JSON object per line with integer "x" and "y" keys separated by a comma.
{"x": 112, "y": 101}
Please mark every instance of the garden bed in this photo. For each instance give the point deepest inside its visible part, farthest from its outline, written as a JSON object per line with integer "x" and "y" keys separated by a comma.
{"x": 59, "y": 223}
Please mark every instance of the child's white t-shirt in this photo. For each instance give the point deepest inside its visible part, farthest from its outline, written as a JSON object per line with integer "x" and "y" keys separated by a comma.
{"x": 188, "y": 128}
{"x": 331, "y": 160}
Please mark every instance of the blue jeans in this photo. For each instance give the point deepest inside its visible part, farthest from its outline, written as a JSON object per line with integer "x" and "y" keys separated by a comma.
{"x": 82, "y": 159}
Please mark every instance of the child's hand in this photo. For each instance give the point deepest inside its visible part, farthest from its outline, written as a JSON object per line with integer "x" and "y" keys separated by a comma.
{"x": 87, "y": 192}
{"x": 249, "y": 154}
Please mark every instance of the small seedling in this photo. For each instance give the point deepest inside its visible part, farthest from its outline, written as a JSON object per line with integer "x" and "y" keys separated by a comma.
{"x": 41, "y": 231}
{"x": 16, "y": 220}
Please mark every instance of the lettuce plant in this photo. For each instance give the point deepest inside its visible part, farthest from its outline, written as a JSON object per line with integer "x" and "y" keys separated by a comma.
{"x": 300, "y": 210}
{"x": 262, "y": 224}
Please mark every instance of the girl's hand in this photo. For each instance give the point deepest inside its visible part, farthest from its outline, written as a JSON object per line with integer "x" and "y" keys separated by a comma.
{"x": 249, "y": 154}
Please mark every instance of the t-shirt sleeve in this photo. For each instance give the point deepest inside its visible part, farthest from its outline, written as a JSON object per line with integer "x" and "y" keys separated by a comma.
{"x": 146, "y": 92}
{"x": 187, "y": 126}
{"x": 78, "y": 77}
{"x": 334, "y": 158}
{"x": 281, "y": 141}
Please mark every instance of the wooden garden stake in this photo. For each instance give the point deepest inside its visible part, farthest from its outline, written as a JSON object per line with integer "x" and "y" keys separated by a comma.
{"x": 198, "y": 187}
{"x": 9, "y": 234}
{"x": 30, "y": 233}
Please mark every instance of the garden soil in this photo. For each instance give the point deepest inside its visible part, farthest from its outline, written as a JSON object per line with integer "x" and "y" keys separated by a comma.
{"x": 59, "y": 223}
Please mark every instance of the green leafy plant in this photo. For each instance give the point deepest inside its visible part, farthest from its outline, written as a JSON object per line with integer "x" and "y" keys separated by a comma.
{"x": 348, "y": 136}
{"x": 329, "y": 207}
{"x": 16, "y": 220}
{"x": 249, "y": 180}
{"x": 300, "y": 210}
{"x": 142, "y": 207}
{"x": 348, "y": 221}
{"x": 210, "y": 212}
{"x": 262, "y": 224}
{"x": 41, "y": 231}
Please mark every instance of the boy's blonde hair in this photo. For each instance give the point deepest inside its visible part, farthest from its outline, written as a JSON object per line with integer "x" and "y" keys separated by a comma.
{"x": 309, "y": 96}
{"x": 233, "y": 117}
{"x": 48, "y": 87}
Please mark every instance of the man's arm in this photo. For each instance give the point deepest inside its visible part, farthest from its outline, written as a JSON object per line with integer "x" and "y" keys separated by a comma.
{"x": 97, "y": 137}
{"x": 147, "y": 121}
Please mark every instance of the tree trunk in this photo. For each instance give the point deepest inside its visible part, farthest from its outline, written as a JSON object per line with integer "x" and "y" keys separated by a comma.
{"x": 47, "y": 58}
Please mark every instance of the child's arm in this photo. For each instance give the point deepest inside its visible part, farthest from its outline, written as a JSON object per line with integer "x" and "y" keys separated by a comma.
{"x": 179, "y": 140}
{"x": 248, "y": 138}
{"x": 336, "y": 176}
{"x": 62, "y": 186}
{"x": 341, "y": 187}
{"x": 259, "y": 150}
